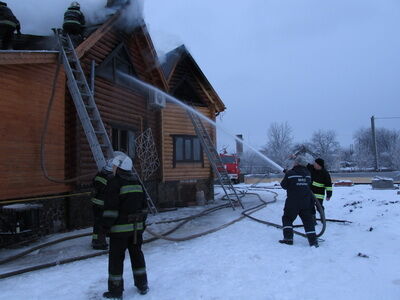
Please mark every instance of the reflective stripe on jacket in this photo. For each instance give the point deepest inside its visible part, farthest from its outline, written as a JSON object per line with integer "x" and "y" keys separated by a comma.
{"x": 100, "y": 185}
{"x": 74, "y": 16}
{"x": 7, "y": 17}
{"x": 124, "y": 205}
{"x": 321, "y": 182}
{"x": 127, "y": 227}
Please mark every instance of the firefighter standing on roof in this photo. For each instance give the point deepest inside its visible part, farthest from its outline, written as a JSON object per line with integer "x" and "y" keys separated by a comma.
{"x": 100, "y": 184}
{"x": 74, "y": 20}
{"x": 321, "y": 181}
{"x": 8, "y": 24}
{"x": 124, "y": 216}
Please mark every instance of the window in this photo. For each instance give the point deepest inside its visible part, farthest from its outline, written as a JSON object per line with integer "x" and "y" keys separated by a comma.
{"x": 116, "y": 63}
{"x": 187, "y": 149}
{"x": 123, "y": 140}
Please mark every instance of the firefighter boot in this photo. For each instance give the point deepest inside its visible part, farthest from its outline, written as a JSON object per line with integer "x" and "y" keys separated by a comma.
{"x": 143, "y": 290}
{"x": 98, "y": 245}
{"x": 312, "y": 240}
{"x": 111, "y": 295}
{"x": 286, "y": 241}
{"x": 115, "y": 288}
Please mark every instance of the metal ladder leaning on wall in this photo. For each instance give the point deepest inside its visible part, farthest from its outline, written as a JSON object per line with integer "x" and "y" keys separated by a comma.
{"x": 215, "y": 159}
{"x": 87, "y": 110}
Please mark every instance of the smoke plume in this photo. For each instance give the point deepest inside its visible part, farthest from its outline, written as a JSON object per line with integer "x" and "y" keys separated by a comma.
{"x": 39, "y": 16}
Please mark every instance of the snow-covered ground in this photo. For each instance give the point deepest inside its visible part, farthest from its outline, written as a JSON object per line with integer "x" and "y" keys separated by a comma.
{"x": 245, "y": 261}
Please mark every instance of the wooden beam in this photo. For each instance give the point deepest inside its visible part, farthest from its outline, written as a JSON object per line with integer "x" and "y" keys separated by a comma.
{"x": 96, "y": 36}
{"x": 23, "y": 57}
{"x": 204, "y": 90}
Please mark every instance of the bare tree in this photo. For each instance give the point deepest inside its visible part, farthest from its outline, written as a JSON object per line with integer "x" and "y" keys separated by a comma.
{"x": 347, "y": 157}
{"x": 279, "y": 143}
{"x": 396, "y": 155}
{"x": 324, "y": 143}
{"x": 388, "y": 145}
{"x": 251, "y": 163}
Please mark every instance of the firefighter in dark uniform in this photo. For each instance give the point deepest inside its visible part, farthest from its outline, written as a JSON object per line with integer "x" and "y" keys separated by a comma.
{"x": 8, "y": 24}
{"x": 299, "y": 202}
{"x": 74, "y": 20}
{"x": 100, "y": 184}
{"x": 321, "y": 181}
{"x": 125, "y": 215}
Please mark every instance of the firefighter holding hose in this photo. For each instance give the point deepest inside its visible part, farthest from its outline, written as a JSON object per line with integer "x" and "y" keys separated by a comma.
{"x": 321, "y": 182}
{"x": 299, "y": 202}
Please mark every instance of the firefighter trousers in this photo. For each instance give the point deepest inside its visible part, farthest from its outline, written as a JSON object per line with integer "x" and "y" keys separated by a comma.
{"x": 315, "y": 208}
{"x": 306, "y": 216}
{"x": 118, "y": 246}
{"x": 99, "y": 235}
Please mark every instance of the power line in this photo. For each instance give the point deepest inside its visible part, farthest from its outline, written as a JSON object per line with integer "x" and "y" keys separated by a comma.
{"x": 380, "y": 118}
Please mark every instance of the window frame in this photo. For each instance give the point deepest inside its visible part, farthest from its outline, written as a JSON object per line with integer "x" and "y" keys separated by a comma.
{"x": 185, "y": 139}
{"x": 112, "y": 61}
{"x": 130, "y": 139}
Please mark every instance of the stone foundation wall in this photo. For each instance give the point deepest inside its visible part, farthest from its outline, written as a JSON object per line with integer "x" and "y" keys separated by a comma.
{"x": 183, "y": 193}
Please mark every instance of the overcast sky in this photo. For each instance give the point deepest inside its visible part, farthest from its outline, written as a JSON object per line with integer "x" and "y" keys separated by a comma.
{"x": 316, "y": 64}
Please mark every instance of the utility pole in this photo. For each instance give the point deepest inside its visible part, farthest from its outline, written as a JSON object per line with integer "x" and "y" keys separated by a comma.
{"x": 374, "y": 143}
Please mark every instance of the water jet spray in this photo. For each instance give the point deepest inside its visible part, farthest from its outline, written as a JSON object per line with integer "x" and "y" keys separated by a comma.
{"x": 203, "y": 117}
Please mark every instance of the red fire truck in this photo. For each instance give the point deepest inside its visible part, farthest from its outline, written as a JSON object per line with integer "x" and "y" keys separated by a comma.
{"x": 231, "y": 163}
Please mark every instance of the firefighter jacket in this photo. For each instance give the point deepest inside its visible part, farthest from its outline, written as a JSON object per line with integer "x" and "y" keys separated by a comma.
{"x": 100, "y": 184}
{"x": 297, "y": 183}
{"x": 321, "y": 182}
{"x": 125, "y": 205}
{"x": 8, "y": 18}
{"x": 74, "y": 16}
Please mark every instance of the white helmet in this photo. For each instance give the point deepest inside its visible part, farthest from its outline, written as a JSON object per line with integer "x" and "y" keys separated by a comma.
{"x": 123, "y": 162}
{"x": 75, "y": 4}
{"x": 116, "y": 153}
{"x": 109, "y": 165}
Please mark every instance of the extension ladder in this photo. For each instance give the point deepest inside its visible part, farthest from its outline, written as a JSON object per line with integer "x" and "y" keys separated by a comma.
{"x": 215, "y": 159}
{"x": 87, "y": 110}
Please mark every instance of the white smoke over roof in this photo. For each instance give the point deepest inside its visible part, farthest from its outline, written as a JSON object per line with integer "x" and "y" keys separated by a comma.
{"x": 39, "y": 16}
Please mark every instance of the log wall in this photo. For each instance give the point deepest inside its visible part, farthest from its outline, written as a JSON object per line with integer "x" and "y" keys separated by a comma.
{"x": 175, "y": 122}
{"x": 118, "y": 105}
{"x": 24, "y": 96}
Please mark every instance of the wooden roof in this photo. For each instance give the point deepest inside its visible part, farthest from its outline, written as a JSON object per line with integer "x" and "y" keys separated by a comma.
{"x": 179, "y": 54}
{"x": 140, "y": 32}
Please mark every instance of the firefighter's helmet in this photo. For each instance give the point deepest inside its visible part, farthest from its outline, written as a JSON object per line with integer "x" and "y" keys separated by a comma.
{"x": 75, "y": 5}
{"x": 123, "y": 162}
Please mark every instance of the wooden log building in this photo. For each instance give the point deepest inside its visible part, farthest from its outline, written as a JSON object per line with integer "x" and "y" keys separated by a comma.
{"x": 185, "y": 166}
{"x": 27, "y": 82}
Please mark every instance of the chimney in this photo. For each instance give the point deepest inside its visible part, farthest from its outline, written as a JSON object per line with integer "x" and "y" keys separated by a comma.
{"x": 239, "y": 145}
